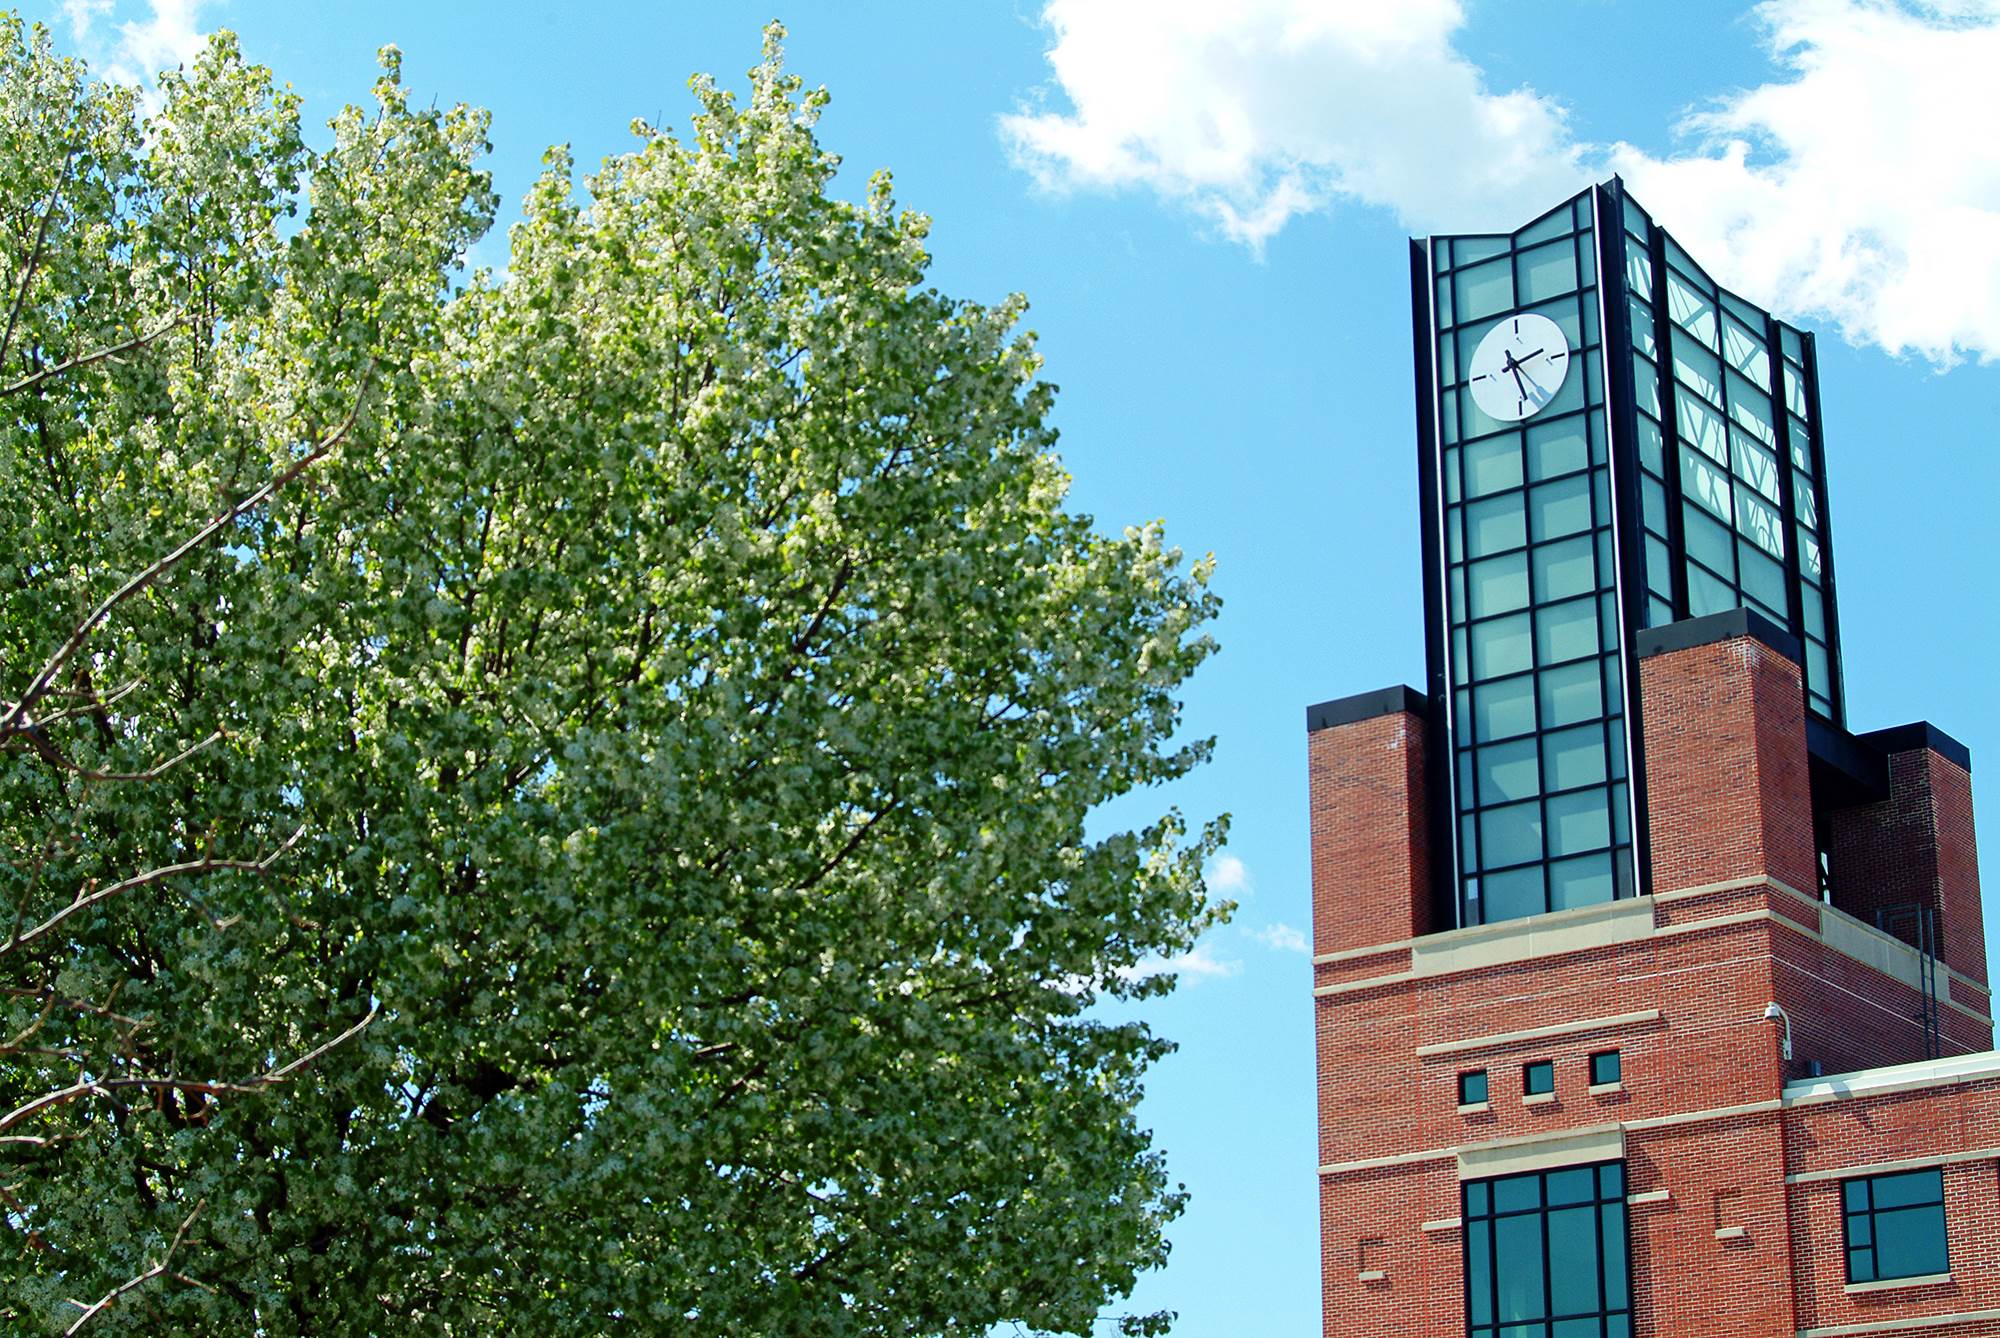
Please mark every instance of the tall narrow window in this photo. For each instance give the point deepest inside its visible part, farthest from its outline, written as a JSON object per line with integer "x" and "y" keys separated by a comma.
{"x": 1545, "y": 1254}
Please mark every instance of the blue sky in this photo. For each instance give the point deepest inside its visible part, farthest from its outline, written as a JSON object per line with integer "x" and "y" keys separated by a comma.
{"x": 1206, "y": 204}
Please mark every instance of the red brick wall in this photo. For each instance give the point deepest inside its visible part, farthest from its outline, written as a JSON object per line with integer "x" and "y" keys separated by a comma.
{"x": 1367, "y": 807}
{"x": 1726, "y": 774}
{"x": 1915, "y": 847}
{"x": 1913, "y": 1125}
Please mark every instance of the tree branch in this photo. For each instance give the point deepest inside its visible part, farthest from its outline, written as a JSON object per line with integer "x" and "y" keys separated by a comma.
{"x": 34, "y": 379}
{"x": 202, "y": 1086}
{"x": 112, "y": 1297}
{"x": 18, "y": 714}
{"x": 35, "y": 255}
{"x": 85, "y": 900}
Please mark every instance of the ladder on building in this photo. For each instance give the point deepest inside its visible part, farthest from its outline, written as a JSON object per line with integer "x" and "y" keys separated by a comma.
{"x": 1924, "y": 921}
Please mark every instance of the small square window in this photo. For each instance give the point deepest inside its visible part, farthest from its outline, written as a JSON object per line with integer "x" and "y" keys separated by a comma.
{"x": 1538, "y": 1077}
{"x": 1472, "y": 1088}
{"x": 1605, "y": 1068}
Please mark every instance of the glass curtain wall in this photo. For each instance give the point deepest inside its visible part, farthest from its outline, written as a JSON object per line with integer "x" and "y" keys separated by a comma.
{"x": 1539, "y": 767}
{"x": 1726, "y": 429}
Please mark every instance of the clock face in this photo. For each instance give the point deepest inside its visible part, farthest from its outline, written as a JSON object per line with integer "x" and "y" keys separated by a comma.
{"x": 1518, "y": 367}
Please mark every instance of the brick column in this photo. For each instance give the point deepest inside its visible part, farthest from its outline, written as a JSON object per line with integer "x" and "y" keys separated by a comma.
{"x": 1728, "y": 790}
{"x": 1916, "y": 846}
{"x": 1368, "y": 807}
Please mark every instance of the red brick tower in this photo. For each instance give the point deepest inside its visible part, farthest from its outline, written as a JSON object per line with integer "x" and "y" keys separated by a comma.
{"x": 1742, "y": 1084}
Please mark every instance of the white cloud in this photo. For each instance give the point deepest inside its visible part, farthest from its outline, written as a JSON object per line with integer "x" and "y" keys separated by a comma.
{"x": 1229, "y": 876}
{"x": 1861, "y": 185}
{"x": 1866, "y": 187}
{"x": 1281, "y": 937}
{"x": 1197, "y": 964}
{"x": 135, "y": 51}
{"x": 1254, "y": 112}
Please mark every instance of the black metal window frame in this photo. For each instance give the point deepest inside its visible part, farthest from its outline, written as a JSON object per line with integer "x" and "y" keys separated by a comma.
{"x": 1487, "y": 1204}
{"x": 1538, "y": 1077}
{"x": 1471, "y": 1081}
{"x": 1861, "y": 1214}
{"x": 1599, "y": 1071}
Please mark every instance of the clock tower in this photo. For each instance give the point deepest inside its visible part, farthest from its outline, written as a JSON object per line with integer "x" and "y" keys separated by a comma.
{"x": 1649, "y": 999}
{"x": 1609, "y": 442}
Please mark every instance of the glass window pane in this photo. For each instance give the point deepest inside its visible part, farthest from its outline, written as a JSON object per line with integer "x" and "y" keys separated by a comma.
{"x": 1547, "y": 271}
{"x": 1493, "y": 464}
{"x": 1909, "y": 1187}
{"x": 1702, "y": 482}
{"x": 1909, "y": 1242}
{"x": 1572, "y": 1257}
{"x": 1570, "y": 695}
{"x": 1605, "y": 1068}
{"x": 1575, "y": 1185}
{"x": 1638, "y": 270}
{"x": 1495, "y": 525}
{"x": 1763, "y": 580}
{"x": 1708, "y": 594}
{"x": 1744, "y": 351}
{"x": 1574, "y": 757}
{"x": 1515, "y": 893}
{"x": 1497, "y": 585}
{"x": 1566, "y": 631}
{"x": 1501, "y": 647}
{"x": 1580, "y": 882}
{"x": 1690, "y": 309}
{"x": 1479, "y": 1272}
{"x": 1751, "y": 408}
{"x": 1518, "y": 1266}
{"x": 1755, "y": 465}
{"x": 1508, "y": 771}
{"x": 1565, "y": 569}
{"x": 1511, "y": 835}
{"x": 1861, "y": 1265}
{"x": 1708, "y": 542}
{"x": 1701, "y": 427}
{"x": 1696, "y": 367}
{"x": 1557, "y": 448}
{"x": 1579, "y": 822}
{"x": 1560, "y": 508}
{"x": 1642, "y": 327}
{"x": 1757, "y": 520}
{"x": 1472, "y": 1088}
{"x": 1612, "y": 1224}
{"x": 1502, "y": 710}
{"x": 1652, "y": 450}
{"x": 1485, "y": 290}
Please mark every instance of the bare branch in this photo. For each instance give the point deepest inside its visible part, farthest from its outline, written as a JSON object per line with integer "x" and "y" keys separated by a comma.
{"x": 34, "y": 379}
{"x": 35, "y": 255}
{"x": 112, "y": 1297}
{"x": 154, "y": 772}
{"x": 15, "y": 716}
{"x": 203, "y": 1086}
{"x": 85, "y": 900}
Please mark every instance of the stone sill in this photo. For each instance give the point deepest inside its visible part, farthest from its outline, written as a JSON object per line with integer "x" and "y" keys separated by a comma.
{"x": 1889, "y": 1284}
{"x": 1475, "y": 1107}
{"x": 1606, "y": 1088}
{"x": 1731, "y": 1233}
{"x": 1539, "y": 1099}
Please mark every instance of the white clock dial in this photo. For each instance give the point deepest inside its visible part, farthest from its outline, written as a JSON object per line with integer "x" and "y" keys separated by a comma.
{"x": 1518, "y": 367}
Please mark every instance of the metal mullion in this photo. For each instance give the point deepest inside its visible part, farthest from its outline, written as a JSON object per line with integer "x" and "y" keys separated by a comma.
{"x": 1548, "y": 1273}
{"x": 1670, "y": 435}
{"x": 1442, "y": 820}
{"x": 1836, "y": 692}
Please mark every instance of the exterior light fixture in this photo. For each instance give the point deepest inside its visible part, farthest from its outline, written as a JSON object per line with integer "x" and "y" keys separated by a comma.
{"x": 1773, "y": 1013}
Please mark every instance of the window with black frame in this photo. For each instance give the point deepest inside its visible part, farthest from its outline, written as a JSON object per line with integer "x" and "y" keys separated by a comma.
{"x": 1895, "y": 1226}
{"x": 1545, "y": 1255}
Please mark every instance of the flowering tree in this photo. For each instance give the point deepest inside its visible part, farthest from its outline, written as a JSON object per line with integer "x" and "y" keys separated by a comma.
{"x": 637, "y": 870}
